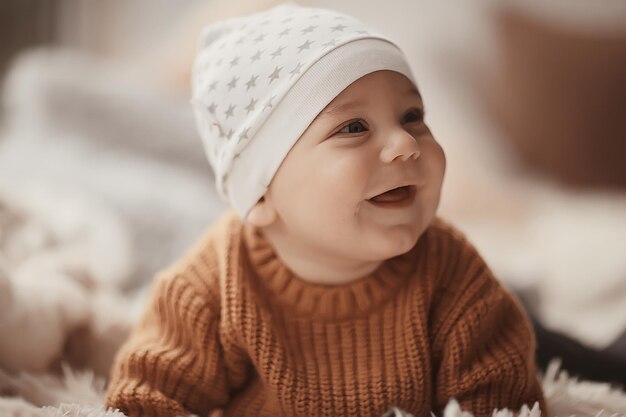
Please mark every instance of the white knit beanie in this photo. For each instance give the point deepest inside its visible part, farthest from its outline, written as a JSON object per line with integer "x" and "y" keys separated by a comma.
{"x": 259, "y": 81}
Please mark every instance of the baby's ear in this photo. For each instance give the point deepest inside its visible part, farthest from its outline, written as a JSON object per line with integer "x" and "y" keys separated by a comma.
{"x": 262, "y": 214}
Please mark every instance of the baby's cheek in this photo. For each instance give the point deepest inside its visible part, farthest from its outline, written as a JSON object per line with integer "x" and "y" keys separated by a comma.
{"x": 349, "y": 172}
{"x": 438, "y": 158}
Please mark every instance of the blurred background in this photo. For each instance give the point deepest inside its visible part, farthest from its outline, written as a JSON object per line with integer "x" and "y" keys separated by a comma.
{"x": 103, "y": 175}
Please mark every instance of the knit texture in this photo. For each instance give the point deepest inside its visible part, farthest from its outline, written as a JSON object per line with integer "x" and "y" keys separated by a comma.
{"x": 231, "y": 330}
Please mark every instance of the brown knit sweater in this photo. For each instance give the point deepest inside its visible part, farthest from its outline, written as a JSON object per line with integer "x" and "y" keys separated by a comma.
{"x": 229, "y": 329}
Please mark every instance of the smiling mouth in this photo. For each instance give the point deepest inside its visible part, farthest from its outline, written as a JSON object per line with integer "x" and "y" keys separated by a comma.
{"x": 397, "y": 197}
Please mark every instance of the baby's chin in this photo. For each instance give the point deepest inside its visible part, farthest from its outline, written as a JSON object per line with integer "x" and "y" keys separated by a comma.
{"x": 391, "y": 244}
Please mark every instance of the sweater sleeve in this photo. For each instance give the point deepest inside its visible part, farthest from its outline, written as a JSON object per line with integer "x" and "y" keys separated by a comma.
{"x": 483, "y": 343}
{"x": 173, "y": 363}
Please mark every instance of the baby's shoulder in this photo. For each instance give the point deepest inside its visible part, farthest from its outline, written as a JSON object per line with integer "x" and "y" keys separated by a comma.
{"x": 454, "y": 261}
{"x": 202, "y": 264}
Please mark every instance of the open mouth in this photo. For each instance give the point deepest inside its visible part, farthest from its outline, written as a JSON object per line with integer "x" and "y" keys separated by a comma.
{"x": 397, "y": 197}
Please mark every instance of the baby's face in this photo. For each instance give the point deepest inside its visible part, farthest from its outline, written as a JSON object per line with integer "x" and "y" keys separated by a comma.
{"x": 364, "y": 180}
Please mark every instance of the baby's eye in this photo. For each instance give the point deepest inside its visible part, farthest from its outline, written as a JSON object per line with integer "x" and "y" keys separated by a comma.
{"x": 353, "y": 127}
{"x": 414, "y": 115}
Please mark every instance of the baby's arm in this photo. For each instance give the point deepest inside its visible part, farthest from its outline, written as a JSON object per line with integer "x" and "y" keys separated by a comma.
{"x": 173, "y": 364}
{"x": 483, "y": 344}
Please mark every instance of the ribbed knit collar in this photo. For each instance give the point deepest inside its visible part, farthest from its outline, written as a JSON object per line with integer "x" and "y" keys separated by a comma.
{"x": 328, "y": 302}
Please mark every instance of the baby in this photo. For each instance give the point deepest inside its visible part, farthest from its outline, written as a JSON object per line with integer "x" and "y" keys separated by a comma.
{"x": 331, "y": 289}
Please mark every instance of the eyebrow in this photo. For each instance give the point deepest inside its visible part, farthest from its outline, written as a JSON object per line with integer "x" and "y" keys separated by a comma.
{"x": 338, "y": 108}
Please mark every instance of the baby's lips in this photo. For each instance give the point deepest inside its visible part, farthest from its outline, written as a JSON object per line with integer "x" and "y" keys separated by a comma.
{"x": 395, "y": 195}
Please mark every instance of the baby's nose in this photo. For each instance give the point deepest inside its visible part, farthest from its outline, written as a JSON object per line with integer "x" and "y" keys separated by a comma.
{"x": 400, "y": 145}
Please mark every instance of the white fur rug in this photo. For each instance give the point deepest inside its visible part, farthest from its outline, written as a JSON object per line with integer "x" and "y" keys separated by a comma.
{"x": 80, "y": 394}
